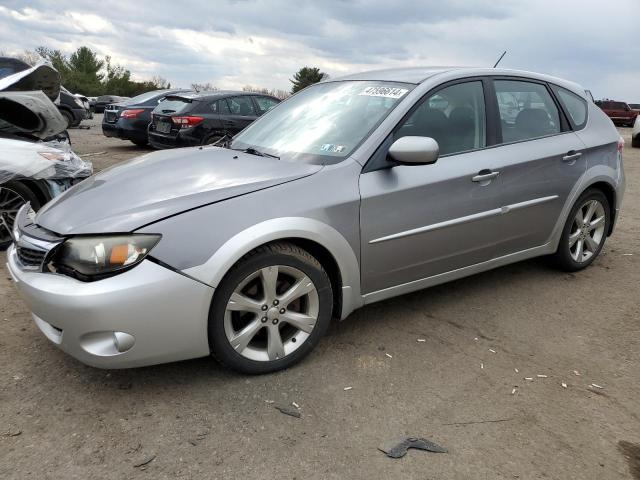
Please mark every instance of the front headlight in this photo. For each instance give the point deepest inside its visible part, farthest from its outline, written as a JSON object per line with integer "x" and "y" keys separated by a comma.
{"x": 91, "y": 258}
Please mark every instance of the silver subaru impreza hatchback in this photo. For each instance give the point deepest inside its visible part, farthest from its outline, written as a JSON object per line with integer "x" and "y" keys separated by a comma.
{"x": 354, "y": 190}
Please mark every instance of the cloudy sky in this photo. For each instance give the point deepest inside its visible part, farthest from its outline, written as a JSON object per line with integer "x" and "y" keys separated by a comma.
{"x": 231, "y": 43}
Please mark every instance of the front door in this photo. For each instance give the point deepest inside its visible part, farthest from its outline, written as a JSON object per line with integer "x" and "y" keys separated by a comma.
{"x": 423, "y": 220}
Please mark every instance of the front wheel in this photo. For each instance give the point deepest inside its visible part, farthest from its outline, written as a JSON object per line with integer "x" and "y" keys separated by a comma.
{"x": 13, "y": 196}
{"x": 585, "y": 232}
{"x": 270, "y": 310}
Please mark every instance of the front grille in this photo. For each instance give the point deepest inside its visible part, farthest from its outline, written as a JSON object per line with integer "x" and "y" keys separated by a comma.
{"x": 30, "y": 257}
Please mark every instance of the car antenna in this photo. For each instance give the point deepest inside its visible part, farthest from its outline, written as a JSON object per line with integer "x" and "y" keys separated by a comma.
{"x": 501, "y": 56}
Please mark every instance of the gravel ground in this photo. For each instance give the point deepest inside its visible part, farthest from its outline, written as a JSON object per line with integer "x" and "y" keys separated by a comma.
{"x": 61, "y": 419}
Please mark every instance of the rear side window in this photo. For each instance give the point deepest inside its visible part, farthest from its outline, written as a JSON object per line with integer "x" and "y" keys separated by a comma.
{"x": 241, "y": 106}
{"x": 527, "y": 110}
{"x": 265, "y": 103}
{"x": 574, "y": 105}
{"x": 220, "y": 107}
{"x": 454, "y": 117}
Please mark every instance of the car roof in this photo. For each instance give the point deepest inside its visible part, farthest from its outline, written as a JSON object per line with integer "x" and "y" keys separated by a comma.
{"x": 417, "y": 75}
{"x": 213, "y": 94}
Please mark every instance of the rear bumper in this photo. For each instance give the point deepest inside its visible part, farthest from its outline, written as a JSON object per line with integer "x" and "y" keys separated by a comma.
{"x": 160, "y": 141}
{"x": 123, "y": 131}
{"x": 162, "y": 314}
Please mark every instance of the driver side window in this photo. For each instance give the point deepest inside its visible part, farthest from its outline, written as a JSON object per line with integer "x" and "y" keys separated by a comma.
{"x": 454, "y": 117}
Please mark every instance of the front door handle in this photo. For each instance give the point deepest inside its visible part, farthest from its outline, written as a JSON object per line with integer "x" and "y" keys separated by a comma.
{"x": 571, "y": 157}
{"x": 485, "y": 176}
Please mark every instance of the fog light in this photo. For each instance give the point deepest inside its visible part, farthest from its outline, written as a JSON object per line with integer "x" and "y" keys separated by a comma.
{"x": 123, "y": 341}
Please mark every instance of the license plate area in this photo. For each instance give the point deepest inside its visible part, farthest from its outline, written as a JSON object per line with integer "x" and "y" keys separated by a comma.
{"x": 163, "y": 127}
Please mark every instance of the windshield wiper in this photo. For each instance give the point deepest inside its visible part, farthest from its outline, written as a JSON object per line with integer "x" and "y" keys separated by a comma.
{"x": 253, "y": 151}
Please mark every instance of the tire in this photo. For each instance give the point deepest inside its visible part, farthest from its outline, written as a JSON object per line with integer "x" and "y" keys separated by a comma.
{"x": 68, "y": 118}
{"x": 635, "y": 142}
{"x": 140, "y": 143}
{"x": 10, "y": 193}
{"x": 289, "y": 265}
{"x": 212, "y": 139}
{"x": 567, "y": 257}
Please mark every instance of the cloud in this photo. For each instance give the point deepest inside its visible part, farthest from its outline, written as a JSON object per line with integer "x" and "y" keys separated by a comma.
{"x": 232, "y": 43}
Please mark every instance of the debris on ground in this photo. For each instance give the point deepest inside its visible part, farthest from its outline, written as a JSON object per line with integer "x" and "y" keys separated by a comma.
{"x": 288, "y": 410}
{"x": 492, "y": 350}
{"x": 397, "y": 447}
{"x": 515, "y": 389}
{"x": 12, "y": 432}
{"x": 295, "y": 405}
{"x": 529, "y": 378}
{"x": 389, "y": 355}
{"x": 421, "y": 340}
{"x": 347, "y": 388}
{"x": 482, "y": 366}
{"x": 516, "y": 370}
{"x": 541, "y": 376}
{"x": 564, "y": 385}
{"x": 144, "y": 462}
{"x": 93, "y": 154}
{"x": 576, "y": 373}
{"x": 596, "y": 386}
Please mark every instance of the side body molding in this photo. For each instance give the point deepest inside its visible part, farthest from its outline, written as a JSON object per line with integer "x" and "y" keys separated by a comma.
{"x": 213, "y": 270}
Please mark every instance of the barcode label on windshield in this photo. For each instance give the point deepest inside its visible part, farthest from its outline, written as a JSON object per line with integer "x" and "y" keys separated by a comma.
{"x": 386, "y": 92}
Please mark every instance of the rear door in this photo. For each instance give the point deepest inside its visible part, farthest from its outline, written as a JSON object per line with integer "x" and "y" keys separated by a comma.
{"x": 539, "y": 158}
{"x": 241, "y": 113}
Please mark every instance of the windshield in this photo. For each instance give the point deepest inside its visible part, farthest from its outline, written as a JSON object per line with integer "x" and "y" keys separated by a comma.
{"x": 324, "y": 123}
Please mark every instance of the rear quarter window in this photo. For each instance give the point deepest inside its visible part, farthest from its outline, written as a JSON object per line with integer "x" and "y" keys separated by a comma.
{"x": 574, "y": 105}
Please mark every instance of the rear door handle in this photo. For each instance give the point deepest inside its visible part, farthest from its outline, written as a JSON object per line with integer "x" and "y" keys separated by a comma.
{"x": 485, "y": 176}
{"x": 571, "y": 157}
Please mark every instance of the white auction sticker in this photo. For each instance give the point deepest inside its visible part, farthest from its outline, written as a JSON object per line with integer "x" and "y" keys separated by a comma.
{"x": 385, "y": 92}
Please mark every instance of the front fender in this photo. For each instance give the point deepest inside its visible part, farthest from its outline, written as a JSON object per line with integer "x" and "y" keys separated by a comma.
{"x": 213, "y": 270}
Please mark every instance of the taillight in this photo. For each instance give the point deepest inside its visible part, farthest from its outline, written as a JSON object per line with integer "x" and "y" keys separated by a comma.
{"x": 135, "y": 113}
{"x": 186, "y": 122}
{"x": 620, "y": 145}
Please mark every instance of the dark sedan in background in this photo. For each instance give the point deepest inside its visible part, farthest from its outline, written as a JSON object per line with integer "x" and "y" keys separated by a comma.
{"x": 129, "y": 120}
{"x": 103, "y": 100}
{"x": 204, "y": 118}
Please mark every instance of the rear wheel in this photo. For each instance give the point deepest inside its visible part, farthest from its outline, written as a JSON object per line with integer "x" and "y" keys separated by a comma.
{"x": 635, "y": 141}
{"x": 13, "y": 196}
{"x": 585, "y": 232}
{"x": 270, "y": 310}
{"x": 140, "y": 143}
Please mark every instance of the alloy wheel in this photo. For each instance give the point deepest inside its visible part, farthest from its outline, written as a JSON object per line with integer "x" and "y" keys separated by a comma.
{"x": 587, "y": 231}
{"x": 10, "y": 203}
{"x": 271, "y": 313}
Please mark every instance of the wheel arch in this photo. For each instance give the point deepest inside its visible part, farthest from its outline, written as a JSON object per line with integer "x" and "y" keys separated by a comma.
{"x": 609, "y": 192}
{"x": 321, "y": 240}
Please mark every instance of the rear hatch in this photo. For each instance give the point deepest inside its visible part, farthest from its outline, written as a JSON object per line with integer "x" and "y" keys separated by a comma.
{"x": 162, "y": 116}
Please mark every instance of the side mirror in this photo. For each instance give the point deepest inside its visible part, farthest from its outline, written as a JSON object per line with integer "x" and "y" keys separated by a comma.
{"x": 414, "y": 150}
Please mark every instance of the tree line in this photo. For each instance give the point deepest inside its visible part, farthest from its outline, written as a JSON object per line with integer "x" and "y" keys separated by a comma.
{"x": 85, "y": 72}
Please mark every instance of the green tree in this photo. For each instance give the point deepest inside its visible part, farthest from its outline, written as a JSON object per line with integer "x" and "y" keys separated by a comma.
{"x": 304, "y": 77}
{"x": 84, "y": 71}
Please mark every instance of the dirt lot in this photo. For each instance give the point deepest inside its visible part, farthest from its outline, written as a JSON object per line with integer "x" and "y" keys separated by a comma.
{"x": 61, "y": 419}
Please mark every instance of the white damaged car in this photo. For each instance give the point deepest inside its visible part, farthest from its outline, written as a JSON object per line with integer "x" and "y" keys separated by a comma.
{"x": 36, "y": 160}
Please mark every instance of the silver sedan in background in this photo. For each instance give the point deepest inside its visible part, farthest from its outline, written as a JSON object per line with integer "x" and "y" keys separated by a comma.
{"x": 354, "y": 190}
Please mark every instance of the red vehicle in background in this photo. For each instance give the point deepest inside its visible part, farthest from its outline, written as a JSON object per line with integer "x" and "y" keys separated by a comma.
{"x": 619, "y": 112}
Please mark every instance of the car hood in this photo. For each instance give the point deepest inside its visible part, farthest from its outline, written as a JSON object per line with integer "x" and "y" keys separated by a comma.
{"x": 26, "y": 99}
{"x": 161, "y": 184}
